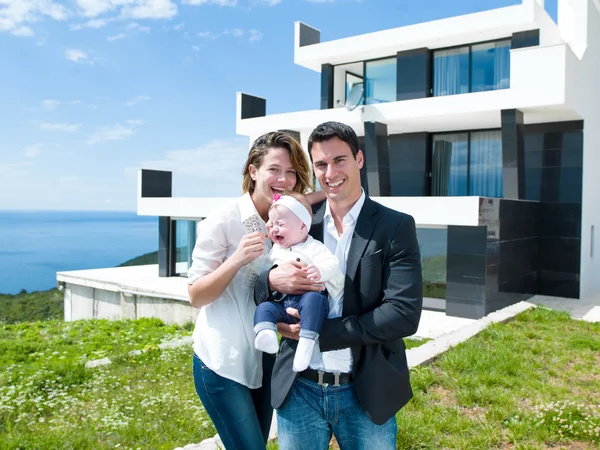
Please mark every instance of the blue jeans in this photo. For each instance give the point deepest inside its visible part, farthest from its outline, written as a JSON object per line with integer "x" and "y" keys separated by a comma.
{"x": 312, "y": 306}
{"x": 311, "y": 412}
{"x": 241, "y": 416}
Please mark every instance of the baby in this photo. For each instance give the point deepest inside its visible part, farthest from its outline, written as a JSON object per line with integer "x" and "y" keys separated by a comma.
{"x": 289, "y": 222}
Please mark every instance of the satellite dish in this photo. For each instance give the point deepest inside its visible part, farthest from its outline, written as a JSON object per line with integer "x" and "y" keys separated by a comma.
{"x": 355, "y": 97}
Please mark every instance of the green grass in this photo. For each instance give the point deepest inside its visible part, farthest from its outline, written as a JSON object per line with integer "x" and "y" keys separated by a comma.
{"x": 493, "y": 391}
{"x": 48, "y": 400}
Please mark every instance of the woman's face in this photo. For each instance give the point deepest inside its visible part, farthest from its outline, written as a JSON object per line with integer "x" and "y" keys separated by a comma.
{"x": 274, "y": 176}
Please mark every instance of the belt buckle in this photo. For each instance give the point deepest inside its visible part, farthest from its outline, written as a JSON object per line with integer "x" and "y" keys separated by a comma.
{"x": 321, "y": 373}
{"x": 336, "y": 379}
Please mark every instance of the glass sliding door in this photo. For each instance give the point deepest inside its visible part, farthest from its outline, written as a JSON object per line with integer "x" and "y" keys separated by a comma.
{"x": 490, "y": 66}
{"x": 380, "y": 81}
{"x": 451, "y": 71}
{"x": 472, "y": 68}
{"x": 449, "y": 164}
{"x": 485, "y": 164}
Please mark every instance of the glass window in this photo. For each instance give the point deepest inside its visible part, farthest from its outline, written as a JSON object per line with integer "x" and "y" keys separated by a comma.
{"x": 185, "y": 239}
{"x": 485, "y": 164}
{"x": 381, "y": 81}
{"x": 433, "y": 246}
{"x": 467, "y": 164}
{"x": 449, "y": 164}
{"x": 451, "y": 71}
{"x": 490, "y": 66}
{"x": 475, "y": 68}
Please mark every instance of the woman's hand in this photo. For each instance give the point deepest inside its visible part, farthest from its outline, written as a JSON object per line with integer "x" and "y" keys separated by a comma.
{"x": 251, "y": 247}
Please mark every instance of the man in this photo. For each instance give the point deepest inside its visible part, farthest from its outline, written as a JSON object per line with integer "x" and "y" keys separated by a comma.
{"x": 359, "y": 379}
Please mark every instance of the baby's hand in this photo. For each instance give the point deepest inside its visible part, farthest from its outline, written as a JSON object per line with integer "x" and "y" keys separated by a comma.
{"x": 312, "y": 273}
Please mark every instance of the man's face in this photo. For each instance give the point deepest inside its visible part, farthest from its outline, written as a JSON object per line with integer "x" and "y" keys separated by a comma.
{"x": 337, "y": 171}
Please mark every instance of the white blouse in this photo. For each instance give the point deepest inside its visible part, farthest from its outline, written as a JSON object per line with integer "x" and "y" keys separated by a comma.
{"x": 224, "y": 332}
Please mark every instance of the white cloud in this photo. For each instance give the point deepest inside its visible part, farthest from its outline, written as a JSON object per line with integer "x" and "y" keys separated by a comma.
{"x": 23, "y": 32}
{"x": 68, "y": 179}
{"x": 136, "y": 26}
{"x": 133, "y": 9}
{"x": 115, "y": 132}
{"x": 218, "y": 160}
{"x": 265, "y": 2}
{"x": 94, "y": 23}
{"x": 60, "y": 127}
{"x": 116, "y": 37}
{"x": 196, "y": 48}
{"x": 236, "y": 32}
{"x": 14, "y": 169}
{"x": 16, "y": 15}
{"x": 78, "y": 56}
{"x": 137, "y": 99}
{"x": 135, "y": 122}
{"x": 211, "y": 2}
{"x": 255, "y": 35}
{"x": 179, "y": 26}
{"x": 32, "y": 151}
{"x": 49, "y": 104}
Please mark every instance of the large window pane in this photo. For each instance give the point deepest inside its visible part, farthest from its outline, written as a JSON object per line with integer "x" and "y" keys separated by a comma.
{"x": 451, "y": 71}
{"x": 433, "y": 246}
{"x": 381, "y": 81}
{"x": 449, "y": 164}
{"x": 185, "y": 239}
{"x": 490, "y": 66}
{"x": 485, "y": 173}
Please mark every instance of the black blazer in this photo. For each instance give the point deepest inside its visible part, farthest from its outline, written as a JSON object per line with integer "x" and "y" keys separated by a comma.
{"x": 383, "y": 298}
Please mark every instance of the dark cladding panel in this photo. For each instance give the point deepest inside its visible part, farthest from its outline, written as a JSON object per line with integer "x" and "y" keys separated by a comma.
{"x": 413, "y": 76}
{"x": 513, "y": 154}
{"x": 327, "y": 86}
{"x": 164, "y": 244}
{"x": 377, "y": 160}
{"x": 156, "y": 183}
{"x": 292, "y": 133}
{"x": 253, "y": 106}
{"x": 524, "y": 39}
{"x": 409, "y": 164}
{"x": 308, "y": 35}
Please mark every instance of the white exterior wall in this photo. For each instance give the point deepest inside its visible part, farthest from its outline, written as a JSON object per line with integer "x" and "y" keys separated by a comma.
{"x": 583, "y": 95}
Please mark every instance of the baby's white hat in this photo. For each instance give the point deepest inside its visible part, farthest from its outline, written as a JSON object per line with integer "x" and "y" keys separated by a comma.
{"x": 295, "y": 207}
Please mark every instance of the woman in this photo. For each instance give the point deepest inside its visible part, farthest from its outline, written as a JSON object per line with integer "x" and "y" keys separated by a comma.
{"x": 231, "y": 377}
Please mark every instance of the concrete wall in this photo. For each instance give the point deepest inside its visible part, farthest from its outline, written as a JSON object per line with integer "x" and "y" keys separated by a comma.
{"x": 83, "y": 302}
{"x": 583, "y": 95}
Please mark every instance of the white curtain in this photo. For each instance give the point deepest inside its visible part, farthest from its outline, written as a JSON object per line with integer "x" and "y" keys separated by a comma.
{"x": 485, "y": 164}
{"x": 450, "y": 71}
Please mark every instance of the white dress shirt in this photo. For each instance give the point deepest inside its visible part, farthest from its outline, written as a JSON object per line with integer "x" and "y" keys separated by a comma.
{"x": 224, "y": 332}
{"x": 337, "y": 360}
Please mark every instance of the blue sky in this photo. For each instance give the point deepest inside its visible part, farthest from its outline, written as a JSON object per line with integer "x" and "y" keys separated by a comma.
{"x": 92, "y": 90}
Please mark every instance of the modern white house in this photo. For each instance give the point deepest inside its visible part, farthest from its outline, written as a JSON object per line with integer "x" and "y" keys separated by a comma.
{"x": 484, "y": 127}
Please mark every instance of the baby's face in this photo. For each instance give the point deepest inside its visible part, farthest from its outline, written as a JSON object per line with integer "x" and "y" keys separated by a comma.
{"x": 285, "y": 228}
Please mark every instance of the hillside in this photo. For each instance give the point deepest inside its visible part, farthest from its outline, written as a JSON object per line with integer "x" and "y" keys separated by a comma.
{"x": 47, "y": 305}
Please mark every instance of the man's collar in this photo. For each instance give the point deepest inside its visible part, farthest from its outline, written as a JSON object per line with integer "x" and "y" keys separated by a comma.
{"x": 354, "y": 211}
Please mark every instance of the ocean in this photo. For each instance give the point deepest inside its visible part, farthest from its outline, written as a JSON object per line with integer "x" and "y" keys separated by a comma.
{"x": 34, "y": 245}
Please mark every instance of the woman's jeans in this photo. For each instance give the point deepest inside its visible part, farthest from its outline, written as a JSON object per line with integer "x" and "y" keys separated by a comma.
{"x": 242, "y": 416}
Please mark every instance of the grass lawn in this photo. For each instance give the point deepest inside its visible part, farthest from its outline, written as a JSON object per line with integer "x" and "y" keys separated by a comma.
{"x": 533, "y": 383}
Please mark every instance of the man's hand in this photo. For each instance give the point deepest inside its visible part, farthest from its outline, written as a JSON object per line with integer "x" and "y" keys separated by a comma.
{"x": 291, "y": 278}
{"x": 290, "y": 331}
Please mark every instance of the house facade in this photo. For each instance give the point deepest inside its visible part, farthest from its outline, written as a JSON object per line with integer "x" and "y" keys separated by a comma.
{"x": 484, "y": 127}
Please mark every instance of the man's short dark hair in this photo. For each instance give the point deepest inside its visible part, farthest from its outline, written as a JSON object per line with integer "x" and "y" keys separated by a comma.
{"x": 330, "y": 130}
